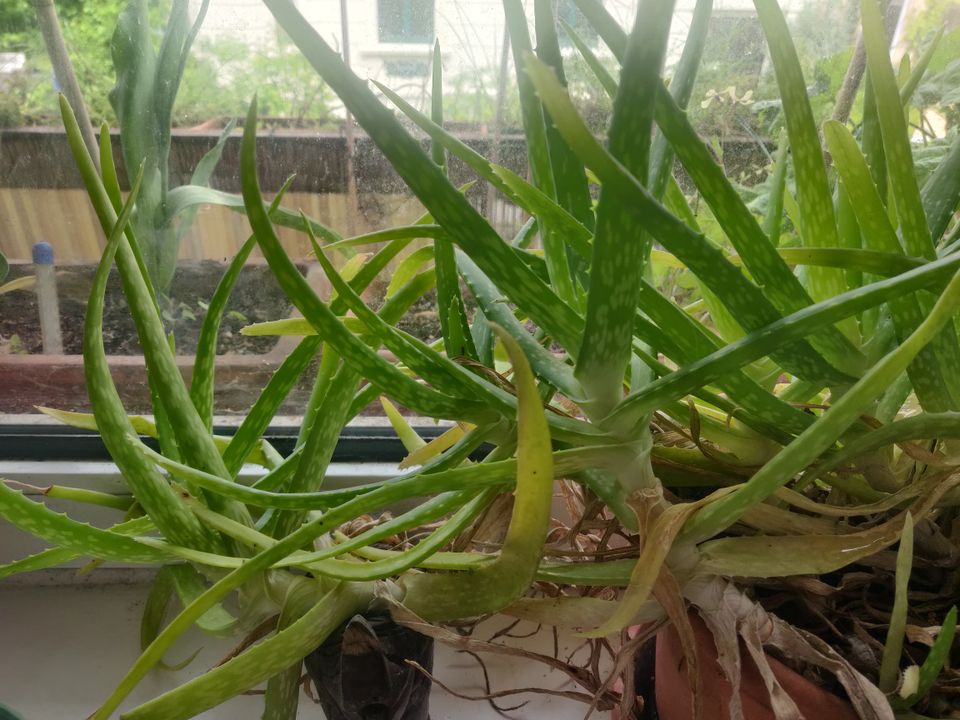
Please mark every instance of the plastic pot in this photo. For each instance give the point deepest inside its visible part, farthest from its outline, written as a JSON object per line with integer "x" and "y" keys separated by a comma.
{"x": 673, "y": 694}
{"x": 361, "y": 672}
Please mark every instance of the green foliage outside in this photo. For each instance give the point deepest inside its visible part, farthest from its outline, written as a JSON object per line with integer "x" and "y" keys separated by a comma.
{"x": 217, "y": 84}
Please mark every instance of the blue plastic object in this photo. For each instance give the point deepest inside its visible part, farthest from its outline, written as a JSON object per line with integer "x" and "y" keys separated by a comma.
{"x": 42, "y": 253}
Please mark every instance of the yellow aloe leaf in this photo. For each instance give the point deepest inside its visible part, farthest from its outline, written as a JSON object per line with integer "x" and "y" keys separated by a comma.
{"x": 764, "y": 556}
{"x": 408, "y": 436}
{"x": 22, "y": 283}
{"x": 446, "y": 440}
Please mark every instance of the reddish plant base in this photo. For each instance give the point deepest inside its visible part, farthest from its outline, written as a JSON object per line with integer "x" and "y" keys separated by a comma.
{"x": 673, "y": 694}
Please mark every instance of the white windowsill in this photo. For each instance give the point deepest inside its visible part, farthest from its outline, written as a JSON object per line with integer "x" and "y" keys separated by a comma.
{"x": 68, "y": 639}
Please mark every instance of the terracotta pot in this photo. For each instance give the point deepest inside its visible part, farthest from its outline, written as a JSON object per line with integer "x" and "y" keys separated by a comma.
{"x": 360, "y": 671}
{"x": 673, "y": 694}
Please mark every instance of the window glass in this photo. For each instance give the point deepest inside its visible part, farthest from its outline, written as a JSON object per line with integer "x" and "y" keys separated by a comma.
{"x": 405, "y": 21}
{"x": 341, "y": 180}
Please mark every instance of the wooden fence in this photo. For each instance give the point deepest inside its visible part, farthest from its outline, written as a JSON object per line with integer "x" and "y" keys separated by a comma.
{"x": 41, "y": 196}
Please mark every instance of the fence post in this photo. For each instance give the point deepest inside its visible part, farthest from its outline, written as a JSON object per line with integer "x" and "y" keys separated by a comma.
{"x": 47, "y": 301}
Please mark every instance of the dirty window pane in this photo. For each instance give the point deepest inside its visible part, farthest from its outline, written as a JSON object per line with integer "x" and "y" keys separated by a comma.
{"x": 405, "y": 21}
{"x": 342, "y": 181}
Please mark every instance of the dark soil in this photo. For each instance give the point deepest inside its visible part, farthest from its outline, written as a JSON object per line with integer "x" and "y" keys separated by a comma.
{"x": 256, "y": 298}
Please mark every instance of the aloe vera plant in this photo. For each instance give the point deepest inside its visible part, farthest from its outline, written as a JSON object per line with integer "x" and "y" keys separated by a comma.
{"x": 576, "y": 367}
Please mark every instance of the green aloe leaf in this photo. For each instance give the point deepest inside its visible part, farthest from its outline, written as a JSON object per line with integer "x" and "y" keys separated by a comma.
{"x": 681, "y": 88}
{"x": 262, "y": 661}
{"x": 941, "y": 192}
{"x": 621, "y": 246}
{"x": 757, "y": 344}
{"x": 204, "y": 365}
{"x": 606, "y": 80}
{"x": 820, "y": 436}
{"x": 925, "y": 372}
{"x": 58, "y": 529}
{"x": 453, "y": 315}
{"x": 59, "y": 555}
{"x": 896, "y": 141}
{"x": 572, "y": 190}
{"x": 536, "y": 135}
{"x": 605, "y": 25}
{"x": 150, "y": 489}
{"x": 383, "y": 374}
{"x": 741, "y": 297}
{"x": 450, "y": 209}
{"x": 517, "y": 189}
{"x": 935, "y": 661}
{"x": 818, "y": 223}
{"x": 759, "y": 256}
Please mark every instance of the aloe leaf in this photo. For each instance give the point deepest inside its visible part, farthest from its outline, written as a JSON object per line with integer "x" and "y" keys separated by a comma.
{"x": 916, "y": 427}
{"x": 60, "y": 556}
{"x": 791, "y": 555}
{"x": 621, "y": 246}
{"x": 818, "y": 224}
{"x": 542, "y": 361}
{"x": 741, "y": 297}
{"x": 536, "y": 134}
{"x": 877, "y": 262}
{"x": 691, "y": 342}
{"x": 189, "y": 584}
{"x": 155, "y": 610}
{"x": 517, "y": 189}
{"x": 451, "y": 309}
{"x": 389, "y": 565}
{"x": 409, "y": 267}
{"x": 755, "y": 345}
{"x": 608, "y": 28}
{"x": 111, "y": 184}
{"x": 408, "y": 436}
{"x": 441, "y": 372}
{"x": 941, "y": 192}
{"x": 778, "y": 182}
{"x": 681, "y": 87}
{"x": 150, "y": 489}
{"x": 759, "y": 256}
{"x": 204, "y": 365}
{"x": 450, "y": 209}
{"x": 361, "y": 357}
{"x": 893, "y": 647}
{"x": 190, "y": 432}
{"x": 492, "y": 587}
{"x": 377, "y": 497}
{"x": 823, "y": 433}
{"x": 260, "y": 662}
{"x": 935, "y": 661}
{"x": 896, "y": 141}
{"x": 188, "y": 196}
{"x": 60, "y": 530}
{"x": 401, "y": 232}
{"x": 572, "y": 191}
{"x": 925, "y": 372}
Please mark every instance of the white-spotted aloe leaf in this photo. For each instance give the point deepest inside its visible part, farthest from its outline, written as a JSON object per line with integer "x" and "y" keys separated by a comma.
{"x": 450, "y": 209}
{"x": 818, "y": 223}
{"x": 621, "y": 246}
{"x": 741, "y": 296}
